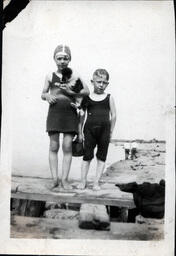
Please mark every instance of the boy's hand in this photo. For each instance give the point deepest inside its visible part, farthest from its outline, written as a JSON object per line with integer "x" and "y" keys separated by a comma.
{"x": 80, "y": 137}
{"x": 110, "y": 136}
{"x": 51, "y": 99}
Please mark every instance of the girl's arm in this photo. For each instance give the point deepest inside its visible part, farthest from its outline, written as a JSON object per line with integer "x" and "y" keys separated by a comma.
{"x": 45, "y": 92}
{"x": 113, "y": 115}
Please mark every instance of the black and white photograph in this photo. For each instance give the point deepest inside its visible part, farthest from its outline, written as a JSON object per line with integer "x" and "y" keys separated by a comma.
{"x": 87, "y": 133}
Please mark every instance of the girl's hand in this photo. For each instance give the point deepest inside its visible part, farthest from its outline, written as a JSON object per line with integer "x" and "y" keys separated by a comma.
{"x": 65, "y": 88}
{"x": 57, "y": 84}
{"x": 51, "y": 99}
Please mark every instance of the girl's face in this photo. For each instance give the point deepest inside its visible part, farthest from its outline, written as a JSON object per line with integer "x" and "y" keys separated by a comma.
{"x": 62, "y": 60}
{"x": 100, "y": 84}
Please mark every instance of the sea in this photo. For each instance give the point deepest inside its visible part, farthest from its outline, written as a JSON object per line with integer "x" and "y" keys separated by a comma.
{"x": 33, "y": 166}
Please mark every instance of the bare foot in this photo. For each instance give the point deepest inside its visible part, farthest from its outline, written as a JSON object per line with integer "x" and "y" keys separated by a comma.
{"x": 66, "y": 185}
{"x": 54, "y": 184}
{"x": 82, "y": 185}
{"x": 96, "y": 187}
{"x": 57, "y": 188}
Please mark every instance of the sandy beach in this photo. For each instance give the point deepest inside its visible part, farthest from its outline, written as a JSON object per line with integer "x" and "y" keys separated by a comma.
{"x": 148, "y": 166}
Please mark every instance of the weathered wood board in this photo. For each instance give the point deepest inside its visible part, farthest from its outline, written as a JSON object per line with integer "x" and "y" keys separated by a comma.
{"x": 32, "y": 188}
{"x": 42, "y": 228}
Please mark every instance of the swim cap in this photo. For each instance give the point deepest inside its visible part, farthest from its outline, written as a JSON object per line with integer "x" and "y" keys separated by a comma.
{"x": 63, "y": 49}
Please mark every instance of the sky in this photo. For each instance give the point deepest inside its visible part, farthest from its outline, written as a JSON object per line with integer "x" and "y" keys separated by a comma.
{"x": 133, "y": 40}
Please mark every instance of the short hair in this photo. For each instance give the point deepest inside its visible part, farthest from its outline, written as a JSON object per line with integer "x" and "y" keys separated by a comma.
{"x": 99, "y": 72}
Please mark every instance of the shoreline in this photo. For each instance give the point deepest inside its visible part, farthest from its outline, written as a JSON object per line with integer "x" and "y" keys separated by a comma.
{"x": 138, "y": 141}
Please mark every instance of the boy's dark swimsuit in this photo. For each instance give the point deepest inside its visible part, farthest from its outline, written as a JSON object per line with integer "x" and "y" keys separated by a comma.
{"x": 97, "y": 128}
{"x": 61, "y": 116}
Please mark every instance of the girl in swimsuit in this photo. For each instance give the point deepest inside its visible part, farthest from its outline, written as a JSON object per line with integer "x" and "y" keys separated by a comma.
{"x": 62, "y": 117}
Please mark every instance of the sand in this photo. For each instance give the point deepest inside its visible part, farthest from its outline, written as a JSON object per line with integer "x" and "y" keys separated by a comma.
{"x": 149, "y": 166}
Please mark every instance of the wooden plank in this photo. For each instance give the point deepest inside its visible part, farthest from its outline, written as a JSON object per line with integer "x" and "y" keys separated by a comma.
{"x": 42, "y": 228}
{"x": 66, "y": 199}
{"x": 14, "y": 187}
{"x": 37, "y": 189}
{"x": 92, "y": 216}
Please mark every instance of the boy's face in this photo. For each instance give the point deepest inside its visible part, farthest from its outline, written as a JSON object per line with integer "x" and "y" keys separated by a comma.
{"x": 62, "y": 60}
{"x": 100, "y": 83}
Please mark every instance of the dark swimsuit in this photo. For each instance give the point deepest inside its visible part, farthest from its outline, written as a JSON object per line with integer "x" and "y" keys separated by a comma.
{"x": 61, "y": 116}
{"x": 97, "y": 128}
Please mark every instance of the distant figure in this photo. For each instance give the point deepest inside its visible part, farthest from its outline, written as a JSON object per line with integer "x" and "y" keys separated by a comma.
{"x": 99, "y": 126}
{"x": 134, "y": 147}
{"x": 127, "y": 148}
{"x": 62, "y": 117}
{"x": 130, "y": 150}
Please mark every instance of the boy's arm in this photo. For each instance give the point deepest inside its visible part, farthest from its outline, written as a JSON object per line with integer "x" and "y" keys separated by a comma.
{"x": 85, "y": 91}
{"x": 80, "y": 126}
{"x": 45, "y": 92}
{"x": 82, "y": 118}
{"x": 113, "y": 115}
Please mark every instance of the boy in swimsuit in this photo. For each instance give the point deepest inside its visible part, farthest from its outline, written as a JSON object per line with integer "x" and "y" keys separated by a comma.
{"x": 99, "y": 126}
{"x": 62, "y": 118}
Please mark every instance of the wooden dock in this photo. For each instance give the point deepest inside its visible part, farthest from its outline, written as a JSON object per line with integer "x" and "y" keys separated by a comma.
{"x": 149, "y": 166}
{"x": 32, "y": 188}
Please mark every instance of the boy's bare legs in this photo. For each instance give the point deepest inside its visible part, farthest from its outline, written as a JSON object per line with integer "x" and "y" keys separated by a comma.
{"x": 99, "y": 171}
{"x": 67, "y": 159}
{"x": 84, "y": 171}
{"x": 53, "y": 158}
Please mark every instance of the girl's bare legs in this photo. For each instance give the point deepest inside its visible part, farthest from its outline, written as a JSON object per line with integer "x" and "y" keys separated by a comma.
{"x": 99, "y": 171}
{"x": 84, "y": 171}
{"x": 67, "y": 159}
{"x": 53, "y": 157}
